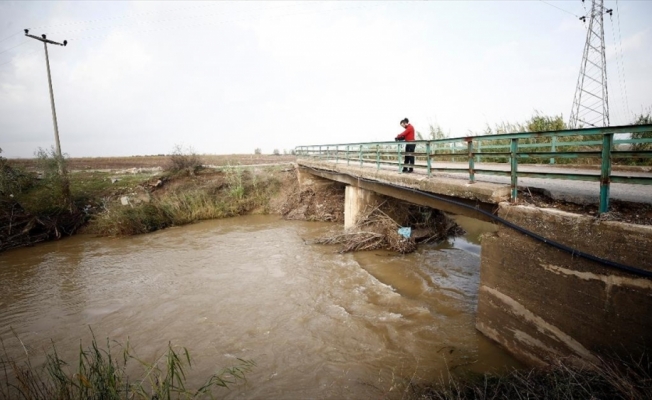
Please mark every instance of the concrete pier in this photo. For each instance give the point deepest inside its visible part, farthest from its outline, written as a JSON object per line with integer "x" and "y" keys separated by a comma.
{"x": 356, "y": 201}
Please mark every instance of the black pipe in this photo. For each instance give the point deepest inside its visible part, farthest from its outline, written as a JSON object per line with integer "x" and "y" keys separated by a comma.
{"x": 557, "y": 245}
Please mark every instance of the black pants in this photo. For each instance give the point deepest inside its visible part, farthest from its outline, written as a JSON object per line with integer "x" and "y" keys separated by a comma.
{"x": 409, "y": 148}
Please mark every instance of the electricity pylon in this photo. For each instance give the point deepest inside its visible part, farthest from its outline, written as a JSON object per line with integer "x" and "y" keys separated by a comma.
{"x": 591, "y": 102}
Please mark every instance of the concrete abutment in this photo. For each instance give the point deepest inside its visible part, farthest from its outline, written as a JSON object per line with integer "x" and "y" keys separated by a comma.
{"x": 542, "y": 303}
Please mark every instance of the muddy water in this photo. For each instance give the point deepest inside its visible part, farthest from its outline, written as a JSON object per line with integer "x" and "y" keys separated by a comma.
{"x": 318, "y": 324}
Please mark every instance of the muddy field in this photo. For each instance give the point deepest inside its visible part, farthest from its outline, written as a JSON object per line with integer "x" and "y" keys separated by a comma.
{"x": 93, "y": 163}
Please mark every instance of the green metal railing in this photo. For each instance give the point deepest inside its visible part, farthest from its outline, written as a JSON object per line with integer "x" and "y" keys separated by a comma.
{"x": 526, "y": 147}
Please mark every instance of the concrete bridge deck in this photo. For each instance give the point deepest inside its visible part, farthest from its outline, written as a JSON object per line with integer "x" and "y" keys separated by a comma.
{"x": 491, "y": 188}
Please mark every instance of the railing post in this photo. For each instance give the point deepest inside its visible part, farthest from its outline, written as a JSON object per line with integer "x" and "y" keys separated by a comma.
{"x": 553, "y": 149}
{"x": 479, "y": 150}
{"x": 428, "y": 157}
{"x": 337, "y": 153}
{"x": 360, "y": 156}
{"x": 319, "y": 154}
{"x": 398, "y": 157}
{"x": 348, "y": 160}
{"x": 377, "y": 157}
{"x": 471, "y": 161}
{"x": 605, "y": 172}
{"x": 514, "y": 168}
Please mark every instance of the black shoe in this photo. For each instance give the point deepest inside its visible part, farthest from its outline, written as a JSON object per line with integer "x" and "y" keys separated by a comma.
{"x": 405, "y": 170}
{"x": 410, "y": 170}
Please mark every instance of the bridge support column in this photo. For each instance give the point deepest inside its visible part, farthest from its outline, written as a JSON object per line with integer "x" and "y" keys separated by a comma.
{"x": 356, "y": 200}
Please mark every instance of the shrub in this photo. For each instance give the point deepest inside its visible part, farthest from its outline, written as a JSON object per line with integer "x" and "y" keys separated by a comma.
{"x": 184, "y": 158}
{"x": 642, "y": 119}
{"x": 13, "y": 181}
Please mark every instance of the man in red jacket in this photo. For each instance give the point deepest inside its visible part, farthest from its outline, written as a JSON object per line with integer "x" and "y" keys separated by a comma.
{"x": 408, "y": 136}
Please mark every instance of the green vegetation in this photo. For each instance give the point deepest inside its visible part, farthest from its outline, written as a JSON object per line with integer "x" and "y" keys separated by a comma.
{"x": 34, "y": 207}
{"x": 13, "y": 180}
{"x": 208, "y": 195}
{"x": 608, "y": 379}
{"x": 642, "y": 119}
{"x": 184, "y": 159}
{"x": 101, "y": 373}
{"x": 536, "y": 123}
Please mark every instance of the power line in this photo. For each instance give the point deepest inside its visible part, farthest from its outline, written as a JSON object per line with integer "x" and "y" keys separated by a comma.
{"x": 618, "y": 68}
{"x": 19, "y": 44}
{"x": 10, "y": 36}
{"x": 559, "y": 8}
{"x": 24, "y": 54}
{"x": 620, "y": 40}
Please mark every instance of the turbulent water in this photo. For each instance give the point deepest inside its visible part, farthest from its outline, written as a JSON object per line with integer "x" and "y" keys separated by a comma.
{"x": 318, "y": 324}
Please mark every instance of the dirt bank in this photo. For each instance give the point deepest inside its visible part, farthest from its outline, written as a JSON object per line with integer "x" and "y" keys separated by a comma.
{"x": 377, "y": 228}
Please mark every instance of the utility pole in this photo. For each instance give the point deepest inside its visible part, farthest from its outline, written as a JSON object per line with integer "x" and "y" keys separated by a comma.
{"x": 62, "y": 168}
{"x": 591, "y": 102}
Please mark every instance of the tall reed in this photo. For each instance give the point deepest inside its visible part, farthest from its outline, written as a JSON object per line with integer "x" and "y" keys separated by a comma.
{"x": 101, "y": 373}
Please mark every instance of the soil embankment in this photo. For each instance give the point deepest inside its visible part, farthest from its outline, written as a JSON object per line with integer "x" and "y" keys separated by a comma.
{"x": 136, "y": 200}
{"x": 130, "y": 201}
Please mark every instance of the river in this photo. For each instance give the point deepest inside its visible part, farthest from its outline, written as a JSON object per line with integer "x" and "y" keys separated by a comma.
{"x": 318, "y": 324}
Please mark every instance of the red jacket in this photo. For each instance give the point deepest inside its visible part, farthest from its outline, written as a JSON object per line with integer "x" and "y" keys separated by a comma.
{"x": 408, "y": 134}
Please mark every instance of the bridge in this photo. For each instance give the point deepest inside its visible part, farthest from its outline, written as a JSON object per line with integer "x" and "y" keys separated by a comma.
{"x": 552, "y": 283}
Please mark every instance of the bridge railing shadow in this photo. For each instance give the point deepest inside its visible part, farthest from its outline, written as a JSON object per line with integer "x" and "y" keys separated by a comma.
{"x": 592, "y": 145}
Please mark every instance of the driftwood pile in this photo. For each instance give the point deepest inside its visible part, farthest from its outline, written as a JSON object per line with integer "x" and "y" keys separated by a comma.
{"x": 378, "y": 228}
{"x": 19, "y": 228}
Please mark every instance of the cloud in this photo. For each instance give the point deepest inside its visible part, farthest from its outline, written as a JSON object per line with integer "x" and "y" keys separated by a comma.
{"x": 231, "y": 77}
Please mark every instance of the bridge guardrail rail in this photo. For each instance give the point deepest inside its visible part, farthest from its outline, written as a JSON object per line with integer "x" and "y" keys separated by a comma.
{"x": 527, "y": 147}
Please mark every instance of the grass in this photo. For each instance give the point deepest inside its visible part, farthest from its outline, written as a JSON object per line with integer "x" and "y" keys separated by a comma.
{"x": 610, "y": 378}
{"x": 101, "y": 373}
{"x": 210, "y": 195}
{"x": 34, "y": 209}
{"x": 87, "y": 188}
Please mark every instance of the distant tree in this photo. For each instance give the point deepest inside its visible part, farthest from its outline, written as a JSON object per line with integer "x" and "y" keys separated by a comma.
{"x": 544, "y": 123}
{"x": 643, "y": 119}
{"x": 436, "y": 133}
{"x": 276, "y": 152}
{"x": 537, "y": 123}
{"x": 258, "y": 151}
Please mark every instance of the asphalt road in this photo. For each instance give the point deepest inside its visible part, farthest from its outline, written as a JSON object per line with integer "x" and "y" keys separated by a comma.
{"x": 580, "y": 192}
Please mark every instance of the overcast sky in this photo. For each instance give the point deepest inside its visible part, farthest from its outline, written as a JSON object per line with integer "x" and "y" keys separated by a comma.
{"x": 229, "y": 77}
